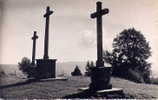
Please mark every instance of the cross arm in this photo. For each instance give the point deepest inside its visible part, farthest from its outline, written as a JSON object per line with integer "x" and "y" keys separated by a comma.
{"x": 49, "y": 13}
{"x": 35, "y": 37}
{"x": 100, "y": 13}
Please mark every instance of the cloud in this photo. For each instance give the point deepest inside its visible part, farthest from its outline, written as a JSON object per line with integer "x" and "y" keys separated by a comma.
{"x": 88, "y": 38}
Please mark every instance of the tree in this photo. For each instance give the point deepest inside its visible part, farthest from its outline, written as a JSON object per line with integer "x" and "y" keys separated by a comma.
{"x": 76, "y": 72}
{"x": 89, "y": 67}
{"x": 92, "y": 64}
{"x": 27, "y": 68}
{"x": 130, "y": 51}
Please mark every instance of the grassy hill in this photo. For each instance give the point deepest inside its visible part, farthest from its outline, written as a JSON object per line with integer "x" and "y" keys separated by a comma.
{"x": 58, "y": 89}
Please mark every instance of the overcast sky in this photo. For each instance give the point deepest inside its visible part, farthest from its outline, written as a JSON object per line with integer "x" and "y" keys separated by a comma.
{"x": 72, "y": 32}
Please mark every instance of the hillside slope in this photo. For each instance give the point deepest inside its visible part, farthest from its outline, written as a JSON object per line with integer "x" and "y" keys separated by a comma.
{"x": 57, "y": 89}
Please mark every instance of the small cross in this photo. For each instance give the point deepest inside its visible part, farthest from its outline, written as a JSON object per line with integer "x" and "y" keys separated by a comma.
{"x": 34, "y": 47}
{"x": 98, "y": 14}
{"x": 34, "y": 36}
{"x": 48, "y": 12}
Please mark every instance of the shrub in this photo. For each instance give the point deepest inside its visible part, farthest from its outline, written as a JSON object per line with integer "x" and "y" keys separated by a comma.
{"x": 27, "y": 68}
{"x": 88, "y": 68}
{"x": 135, "y": 76}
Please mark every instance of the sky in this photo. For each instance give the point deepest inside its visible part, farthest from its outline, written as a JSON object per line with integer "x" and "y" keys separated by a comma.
{"x": 72, "y": 31}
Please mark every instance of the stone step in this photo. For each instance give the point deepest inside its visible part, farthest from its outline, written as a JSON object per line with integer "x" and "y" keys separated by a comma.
{"x": 55, "y": 79}
{"x": 108, "y": 93}
{"x": 83, "y": 88}
{"x": 113, "y": 90}
{"x": 110, "y": 90}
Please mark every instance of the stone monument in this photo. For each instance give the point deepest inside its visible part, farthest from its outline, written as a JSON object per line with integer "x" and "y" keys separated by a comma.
{"x": 46, "y": 67}
{"x": 34, "y": 47}
{"x": 100, "y": 77}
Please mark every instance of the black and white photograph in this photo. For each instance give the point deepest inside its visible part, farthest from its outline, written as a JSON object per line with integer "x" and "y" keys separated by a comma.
{"x": 78, "y": 49}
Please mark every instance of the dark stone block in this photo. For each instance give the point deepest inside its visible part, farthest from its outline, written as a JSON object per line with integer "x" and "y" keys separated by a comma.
{"x": 100, "y": 78}
{"x": 46, "y": 68}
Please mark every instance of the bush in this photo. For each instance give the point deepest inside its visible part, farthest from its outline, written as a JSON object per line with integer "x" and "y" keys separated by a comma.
{"x": 76, "y": 72}
{"x": 88, "y": 68}
{"x": 135, "y": 76}
{"x": 27, "y": 68}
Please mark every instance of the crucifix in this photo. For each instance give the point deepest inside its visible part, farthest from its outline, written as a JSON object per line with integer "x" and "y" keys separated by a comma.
{"x": 34, "y": 47}
{"x": 100, "y": 75}
{"x": 46, "y": 40}
{"x": 46, "y": 67}
{"x": 98, "y": 15}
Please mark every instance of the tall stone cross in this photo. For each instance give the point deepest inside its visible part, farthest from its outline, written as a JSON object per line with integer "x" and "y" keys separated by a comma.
{"x": 34, "y": 47}
{"x": 98, "y": 14}
{"x": 46, "y": 40}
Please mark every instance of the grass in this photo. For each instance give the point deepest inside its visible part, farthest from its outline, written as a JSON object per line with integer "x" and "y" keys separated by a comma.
{"x": 154, "y": 81}
{"x": 60, "y": 89}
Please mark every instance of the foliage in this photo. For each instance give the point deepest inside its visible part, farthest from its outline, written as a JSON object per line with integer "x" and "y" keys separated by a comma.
{"x": 89, "y": 67}
{"x": 27, "y": 68}
{"x": 76, "y": 72}
{"x": 134, "y": 76}
{"x": 130, "y": 51}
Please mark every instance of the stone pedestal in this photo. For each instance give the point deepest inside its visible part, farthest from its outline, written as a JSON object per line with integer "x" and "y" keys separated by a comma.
{"x": 46, "y": 68}
{"x": 100, "y": 78}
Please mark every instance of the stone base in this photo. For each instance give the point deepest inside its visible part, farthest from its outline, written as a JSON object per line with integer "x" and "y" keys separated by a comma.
{"x": 46, "y": 68}
{"x": 100, "y": 79}
{"x": 112, "y": 90}
{"x": 55, "y": 79}
{"x": 108, "y": 93}
{"x": 103, "y": 91}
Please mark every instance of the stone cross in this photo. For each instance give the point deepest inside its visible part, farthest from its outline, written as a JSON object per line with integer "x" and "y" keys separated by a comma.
{"x": 98, "y": 14}
{"x": 34, "y": 47}
{"x": 46, "y": 40}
